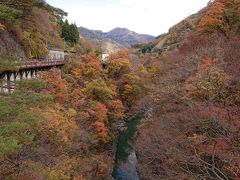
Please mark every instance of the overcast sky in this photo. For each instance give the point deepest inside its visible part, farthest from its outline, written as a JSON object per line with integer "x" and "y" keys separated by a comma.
{"x": 143, "y": 16}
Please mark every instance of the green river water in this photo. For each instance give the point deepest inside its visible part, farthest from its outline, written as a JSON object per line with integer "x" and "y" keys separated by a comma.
{"x": 125, "y": 160}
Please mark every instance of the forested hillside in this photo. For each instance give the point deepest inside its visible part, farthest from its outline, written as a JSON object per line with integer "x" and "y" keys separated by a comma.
{"x": 214, "y": 18}
{"x": 57, "y": 127}
{"x": 29, "y": 28}
{"x": 65, "y": 122}
{"x": 192, "y": 129}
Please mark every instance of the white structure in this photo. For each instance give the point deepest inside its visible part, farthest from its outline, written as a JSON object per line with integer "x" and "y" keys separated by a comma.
{"x": 104, "y": 57}
{"x": 56, "y": 55}
{"x": 8, "y": 80}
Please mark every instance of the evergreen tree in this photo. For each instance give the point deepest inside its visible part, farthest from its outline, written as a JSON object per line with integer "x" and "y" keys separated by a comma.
{"x": 69, "y": 32}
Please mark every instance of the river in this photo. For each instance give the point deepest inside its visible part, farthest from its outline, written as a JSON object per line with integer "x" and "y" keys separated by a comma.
{"x": 125, "y": 158}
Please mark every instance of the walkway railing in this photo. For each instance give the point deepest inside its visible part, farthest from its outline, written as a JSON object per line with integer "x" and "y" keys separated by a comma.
{"x": 43, "y": 63}
{"x": 27, "y": 70}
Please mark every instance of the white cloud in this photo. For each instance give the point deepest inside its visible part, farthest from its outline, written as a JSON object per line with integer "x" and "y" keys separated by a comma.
{"x": 143, "y": 16}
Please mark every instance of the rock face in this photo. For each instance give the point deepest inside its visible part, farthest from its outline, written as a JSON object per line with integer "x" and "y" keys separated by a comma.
{"x": 117, "y": 38}
{"x": 10, "y": 46}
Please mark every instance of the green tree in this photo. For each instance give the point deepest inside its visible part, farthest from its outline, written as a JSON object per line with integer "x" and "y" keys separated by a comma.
{"x": 8, "y": 14}
{"x": 17, "y": 123}
{"x": 59, "y": 13}
{"x": 69, "y": 32}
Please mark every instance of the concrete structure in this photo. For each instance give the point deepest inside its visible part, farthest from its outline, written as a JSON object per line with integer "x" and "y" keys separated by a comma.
{"x": 8, "y": 79}
{"x": 104, "y": 57}
{"x": 30, "y": 69}
{"x": 56, "y": 55}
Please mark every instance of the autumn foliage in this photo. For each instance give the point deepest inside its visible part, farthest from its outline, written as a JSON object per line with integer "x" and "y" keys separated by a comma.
{"x": 58, "y": 126}
{"x": 98, "y": 115}
{"x": 119, "y": 68}
{"x": 213, "y": 19}
{"x": 192, "y": 119}
{"x": 57, "y": 86}
{"x": 195, "y": 110}
{"x": 74, "y": 114}
{"x": 63, "y": 124}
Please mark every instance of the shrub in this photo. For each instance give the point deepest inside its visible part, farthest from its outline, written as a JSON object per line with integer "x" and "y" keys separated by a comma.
{"x": 8, "y": 14}
{"x": 8, "y": 63}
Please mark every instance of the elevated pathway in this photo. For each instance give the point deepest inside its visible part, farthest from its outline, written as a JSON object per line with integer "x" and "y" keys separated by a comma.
{"x": 36, "y": 64}
{"x": 28, "y": 70}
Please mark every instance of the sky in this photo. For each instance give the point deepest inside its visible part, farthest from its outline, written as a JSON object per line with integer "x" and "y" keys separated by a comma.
{"x": 153, "y": 17}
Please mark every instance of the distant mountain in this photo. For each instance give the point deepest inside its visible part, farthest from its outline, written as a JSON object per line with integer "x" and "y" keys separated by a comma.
{"x": 127, "y": 37}
{"x": 118, "y": 37}
{"x": 89, "y": 34}
{"x": 96, "y": 39}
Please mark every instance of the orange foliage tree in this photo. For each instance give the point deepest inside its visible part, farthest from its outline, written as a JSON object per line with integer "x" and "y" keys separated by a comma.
{"x": 85, "y": 68}
{"x": 119, "y": 54}
{"x": 97, "y": 114}
{"x": 76, "y": 98}
{"x": 57, "y": 86}
{"x": 58, "y": 126}
{"x": 98, "y": 90}
{"x": 116, "y": 109}
{"x": 213, "y": 19}
{"x": 118, "y": 67}
{"x": 129, "y": 89}
{"x": 206, "y": 63}
{"x": 118, "y": 64}
{"x": 93, "y": 94}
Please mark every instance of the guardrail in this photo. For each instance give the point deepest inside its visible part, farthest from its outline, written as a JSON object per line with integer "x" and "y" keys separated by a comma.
{"x": 37, "y": 63}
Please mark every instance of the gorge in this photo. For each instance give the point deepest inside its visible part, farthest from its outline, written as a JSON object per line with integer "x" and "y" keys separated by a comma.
{"x": 76, "y": 111}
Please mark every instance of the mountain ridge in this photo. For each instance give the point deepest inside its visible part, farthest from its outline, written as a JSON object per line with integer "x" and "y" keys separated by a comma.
{"x": 122, "y": 37}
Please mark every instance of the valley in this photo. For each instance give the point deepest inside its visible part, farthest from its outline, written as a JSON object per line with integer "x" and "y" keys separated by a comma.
{"x": 94, "y": 105}
{"x": 114, "y": 40}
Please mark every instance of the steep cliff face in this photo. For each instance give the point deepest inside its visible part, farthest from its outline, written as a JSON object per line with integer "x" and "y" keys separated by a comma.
{"x": 29, "y": 28}
{"x": 10, "y": 46}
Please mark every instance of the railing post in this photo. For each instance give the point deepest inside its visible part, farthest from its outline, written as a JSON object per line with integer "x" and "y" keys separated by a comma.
{"x": 1, "y": 82}
{"x": 8, "y": 81}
